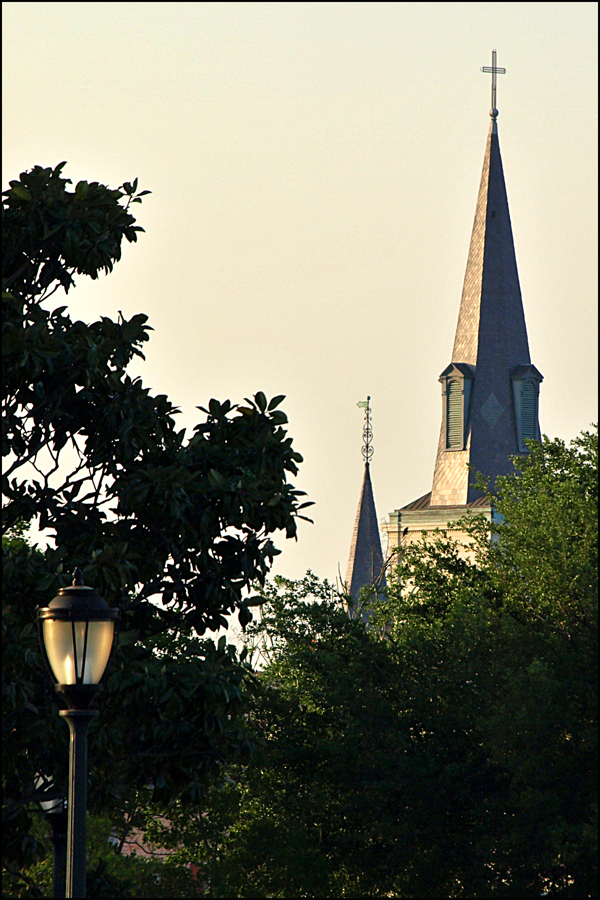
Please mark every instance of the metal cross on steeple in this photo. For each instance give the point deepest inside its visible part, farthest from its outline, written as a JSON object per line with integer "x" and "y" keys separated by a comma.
{"x": 495, "y": 70}
{"x": 367, "y": 449}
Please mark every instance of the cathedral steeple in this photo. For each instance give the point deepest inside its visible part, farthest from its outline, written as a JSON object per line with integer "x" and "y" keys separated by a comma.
{"x": 490, "y": 389}
{"x": 365, "y": 563}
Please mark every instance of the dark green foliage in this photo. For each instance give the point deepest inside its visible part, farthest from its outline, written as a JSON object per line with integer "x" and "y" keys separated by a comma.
{"x": 68, "y": 396}
{"x": 556, "y": 495}
{"x": 97, "y": 463}
{"x": 110, "y": 873}
{"x": 49, "y": 233}
{"x": 451, "y": 749}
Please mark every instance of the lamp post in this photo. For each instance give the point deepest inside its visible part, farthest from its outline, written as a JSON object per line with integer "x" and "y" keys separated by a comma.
{"x": 76, "y": 636}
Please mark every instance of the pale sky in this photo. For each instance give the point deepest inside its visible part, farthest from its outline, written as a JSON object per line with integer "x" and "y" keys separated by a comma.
{"x": 314, "y": 170}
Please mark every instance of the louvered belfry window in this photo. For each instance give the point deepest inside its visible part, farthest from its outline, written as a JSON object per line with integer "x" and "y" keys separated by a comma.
{"x": 528, "y": 411}
{"x": 454, "y": 416}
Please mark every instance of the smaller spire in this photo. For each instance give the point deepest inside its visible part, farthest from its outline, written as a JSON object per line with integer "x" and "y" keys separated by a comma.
{"x": 365, "y": 564}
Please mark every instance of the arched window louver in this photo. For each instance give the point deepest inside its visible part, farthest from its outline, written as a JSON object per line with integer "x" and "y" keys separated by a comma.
{"x": 456, "y": 381}
{"x": 454, "y": 416}
{"x": 528, "y": 397}
{"x": 526, "y": 388}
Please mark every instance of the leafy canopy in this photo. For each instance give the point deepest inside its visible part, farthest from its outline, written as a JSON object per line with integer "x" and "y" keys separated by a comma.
{"x": 96, "y": 461}
{"x": 140, "y": 508}
{"x": 448, "y": 750}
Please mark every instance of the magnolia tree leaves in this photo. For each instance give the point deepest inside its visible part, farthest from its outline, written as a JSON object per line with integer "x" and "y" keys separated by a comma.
{"x": 173, "y": 529}
{"x": 144, "y": 511}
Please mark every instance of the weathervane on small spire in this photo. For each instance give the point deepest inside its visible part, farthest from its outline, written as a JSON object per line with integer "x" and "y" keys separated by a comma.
{"x": 495, "y": 70}
{"x": 367, "y": 448}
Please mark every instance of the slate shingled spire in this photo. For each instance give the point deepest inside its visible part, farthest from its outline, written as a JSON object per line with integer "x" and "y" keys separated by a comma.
{"x": 365, "y": 563}
{"x": 490, "y": 389}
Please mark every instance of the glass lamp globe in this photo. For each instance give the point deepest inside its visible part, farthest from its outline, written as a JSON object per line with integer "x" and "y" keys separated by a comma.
{"x": 76, "y": 635}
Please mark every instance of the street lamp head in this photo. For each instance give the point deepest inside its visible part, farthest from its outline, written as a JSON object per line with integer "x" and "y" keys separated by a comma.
{"x": 76, "y": 635}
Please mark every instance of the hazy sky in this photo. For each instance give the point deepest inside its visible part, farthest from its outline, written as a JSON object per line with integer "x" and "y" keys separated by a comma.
{"x": 314, "y": 169}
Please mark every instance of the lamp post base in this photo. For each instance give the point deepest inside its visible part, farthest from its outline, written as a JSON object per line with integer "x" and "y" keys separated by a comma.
{"x": 78, "y": 721}
{"x": 58, "y": 822}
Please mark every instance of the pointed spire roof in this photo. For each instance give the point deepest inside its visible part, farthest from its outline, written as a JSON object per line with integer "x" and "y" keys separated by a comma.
{"x": 365, "y": 563}
{"x": 491, "y": 323}
{"x": 490, "y": 342}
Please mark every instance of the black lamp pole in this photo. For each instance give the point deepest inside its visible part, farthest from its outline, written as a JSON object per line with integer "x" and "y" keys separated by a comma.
{"x": 78, "y": 721}
{"x": 58, "y": 822}
{"x": 76, "y": 636}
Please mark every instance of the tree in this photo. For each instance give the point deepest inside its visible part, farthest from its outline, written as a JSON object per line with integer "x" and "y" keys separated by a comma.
{"x": 97, "y": 462}
{"x": 448, "y": 750}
